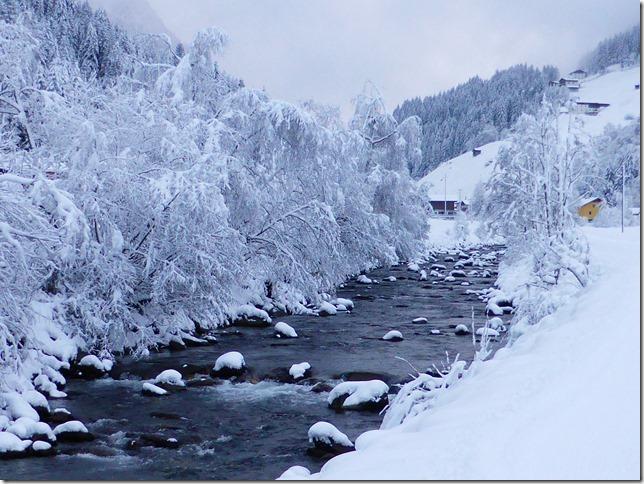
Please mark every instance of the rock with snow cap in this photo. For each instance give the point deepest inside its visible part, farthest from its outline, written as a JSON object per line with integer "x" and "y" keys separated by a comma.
{"x": 73, "y": 431}
{"x": 327, "y": 440}
{"x": 393, "y": 336}
{"x": 359, "y": 395}
{"x": 229, "y": 365}
{"x": 283, "y": 330}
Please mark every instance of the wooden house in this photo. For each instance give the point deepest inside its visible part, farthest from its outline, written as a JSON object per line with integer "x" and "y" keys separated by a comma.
{"x": 448, "y": 207}
{"x": 590, "y": 208}
{"x": 578, "y": 74}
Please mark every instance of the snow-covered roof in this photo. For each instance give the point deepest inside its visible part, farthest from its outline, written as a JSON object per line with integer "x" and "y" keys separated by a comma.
{"x": 586, "y": 200}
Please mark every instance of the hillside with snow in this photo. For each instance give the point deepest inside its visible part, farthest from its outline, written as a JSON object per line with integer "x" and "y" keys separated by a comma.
{"x": 466, "y": 171}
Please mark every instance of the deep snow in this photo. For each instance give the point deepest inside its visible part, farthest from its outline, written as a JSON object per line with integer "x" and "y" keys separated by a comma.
{"x": 561, "y": 403}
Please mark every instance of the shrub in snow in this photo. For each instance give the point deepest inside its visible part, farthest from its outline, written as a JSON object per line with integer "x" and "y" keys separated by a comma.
{"x": 393, "y": 335}
{"x": 461, "y": 330}
{"x": 229, "y": 365}
{"x": 419, "y": 321}
{"x": 151, "y": 390}
{"x": 359, "y": 395}
{"x": 362, "y": 279}
{"x": 327, "y": 439}
{"x": 295, "y": 473}
{"x": 170, "y": 378}
{"x": 327, "y": 309}
{"x": 423, "y": 275}
{"x": 12, "y": 445}
{"x": 73, "y": 431}
{"x": 300, "y": 370}
{"x": 283, "y": 330}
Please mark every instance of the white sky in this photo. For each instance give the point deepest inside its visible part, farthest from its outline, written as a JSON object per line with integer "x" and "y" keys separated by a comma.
{"x": 326, "y": 49}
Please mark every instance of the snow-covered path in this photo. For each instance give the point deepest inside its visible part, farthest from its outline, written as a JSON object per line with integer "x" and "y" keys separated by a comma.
{"x": 562, "y": 403}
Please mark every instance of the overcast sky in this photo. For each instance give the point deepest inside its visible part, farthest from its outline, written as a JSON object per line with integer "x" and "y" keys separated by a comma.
{"x": 326, "y": 49}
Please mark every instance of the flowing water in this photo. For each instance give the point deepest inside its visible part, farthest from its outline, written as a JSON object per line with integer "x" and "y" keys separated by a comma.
{"x": 258, "y": 430}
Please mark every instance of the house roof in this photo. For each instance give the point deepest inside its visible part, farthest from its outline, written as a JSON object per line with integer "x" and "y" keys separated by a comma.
{"x": 578, "y": 71}
{"x": 589, "y": 200}
{"x": 590, "y": 103}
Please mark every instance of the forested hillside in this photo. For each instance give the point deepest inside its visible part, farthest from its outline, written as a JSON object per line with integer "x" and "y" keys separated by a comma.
{"x": 474, "y": 113}
{"x": 145, "y": 192}
{"x": 623, "y": 48}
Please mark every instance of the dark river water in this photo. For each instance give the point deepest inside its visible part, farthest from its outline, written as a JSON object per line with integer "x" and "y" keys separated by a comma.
{"x": 256, "y": 431}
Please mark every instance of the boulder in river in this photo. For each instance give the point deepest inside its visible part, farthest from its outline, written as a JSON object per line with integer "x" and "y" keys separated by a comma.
{"x": 393, "y": 336}
{"x": 153, "y": 440}
{"x": 328, "y": 441}
{"x": 359, "y": 395}
{"x": 283, "y": 330}
{"x": 321, "y": 387}
{"x": 229, "y": 365}
{"x": 169, "y": 378}
{"x": 12, "y": 446}
{"x": 461, "y": 330}
{"x": 151, "y": 390}
{"x": 327, "y": 309}
{"x": 419, "y": 321}
{"x": 300, "y": 370}
{"x": 41, "y": 448}
{"x": 73, "y": 431}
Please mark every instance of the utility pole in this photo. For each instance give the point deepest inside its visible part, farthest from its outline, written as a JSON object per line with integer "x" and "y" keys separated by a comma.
{"x": 445, "y": 208}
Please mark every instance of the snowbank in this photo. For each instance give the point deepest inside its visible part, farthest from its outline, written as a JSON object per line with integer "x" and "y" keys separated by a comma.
{"x": 561, "y": 403}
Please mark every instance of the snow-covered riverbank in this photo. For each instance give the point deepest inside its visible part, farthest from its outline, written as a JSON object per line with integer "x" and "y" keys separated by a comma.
{"x": 561, "y": 403}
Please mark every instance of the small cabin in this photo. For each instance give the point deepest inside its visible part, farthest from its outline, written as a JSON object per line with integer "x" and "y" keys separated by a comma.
{"x": 476, "y": 152}
{"x": 590, "y": 208}
{"x": 590, "y": 108}
{"x": 448, "y": 207}
{"x": 571, "y": 84}
{"x": 578, "y": 74}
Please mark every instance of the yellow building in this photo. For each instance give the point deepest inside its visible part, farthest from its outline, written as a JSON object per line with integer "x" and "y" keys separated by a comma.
{"x": 589, "y": 208}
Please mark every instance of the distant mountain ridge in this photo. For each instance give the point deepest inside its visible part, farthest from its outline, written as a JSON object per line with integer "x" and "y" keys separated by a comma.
{"x": 135, "y": 16}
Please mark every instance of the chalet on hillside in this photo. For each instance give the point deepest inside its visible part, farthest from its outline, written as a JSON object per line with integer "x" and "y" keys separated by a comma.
{"x": 590, "y": 108}
{"x": 590, "y": 208}
{"x": 448, "y": 207}
{"x": 578, "y": 74}
{"x": 571, "y": 84}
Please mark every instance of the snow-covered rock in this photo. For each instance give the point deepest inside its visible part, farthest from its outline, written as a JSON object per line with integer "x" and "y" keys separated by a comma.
{"x": 17, "y": 406}
{"x": 152, "y": 390}
{"x": 393, "y": 335}
{"x": 461, "y": 330}
{"x": 283, "y": 330}
{"x": 359, "y": 395}
{"x": 300, "y": 370}
{"x": 170, "y": 378}
{"x": 327, "y": 439}
{"x": 362, "y": 279}
{"x": 414, "y": 267}
{"x": 497, "y": 324}
{"x": 435, "y": 331}
{"x": 229, "y": 365}
{"x": 489, "y": 332}
{"x": 250, "y": 315}
{"x": 40, "y": 448}
{"x": 438, "y": 267}
{"x": 449, "y": 279}
{"x": 26, "y": 428}
{"x": 347, "y": 303}
{"x": 327, "y": 309}
{"x": 295, "y": 473}
{"x": 423, "y": 275}
{"x": 72, "y": 431}
{"x": 90, "y": 366}
{"x": 37, "y": 400}
{"x": 457, "y": 273}
{"x": 391, "y": 278}
{"x": 419, "y": 321}
{"x": 12, "y": 445}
